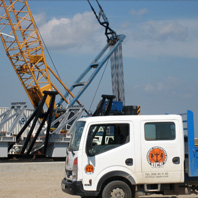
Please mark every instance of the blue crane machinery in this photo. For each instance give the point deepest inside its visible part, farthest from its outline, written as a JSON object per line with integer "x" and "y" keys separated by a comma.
{"x": 112, "y": 51}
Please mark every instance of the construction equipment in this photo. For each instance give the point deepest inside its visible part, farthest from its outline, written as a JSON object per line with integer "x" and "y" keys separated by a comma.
{"x": 114, "y": 45}
{"x": 23, "y": 46}
{"x": 44, "y": 133}
{"x": 22, "y": 42}
{"x": 107, "y": 106}
{"x": 15, "y": 114}
{"x": 117, "y": 75}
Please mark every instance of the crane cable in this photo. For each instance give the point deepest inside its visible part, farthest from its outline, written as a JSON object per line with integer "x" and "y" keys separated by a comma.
{"x": 47, "y": 51}
{"x": 98, "y": 86}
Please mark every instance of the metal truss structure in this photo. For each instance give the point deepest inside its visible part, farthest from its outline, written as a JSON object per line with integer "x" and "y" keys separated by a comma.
{"x": 24, "y": 48}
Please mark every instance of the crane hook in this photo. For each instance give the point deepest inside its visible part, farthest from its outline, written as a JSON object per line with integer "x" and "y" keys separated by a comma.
{"x": 103, "y": 20}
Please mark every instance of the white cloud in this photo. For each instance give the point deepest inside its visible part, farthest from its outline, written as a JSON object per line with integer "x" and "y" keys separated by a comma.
{"x": 139, "y": 12}
{"x": 162, "y": 38}
{"x": 81, "y": 33}
{"x": 125, "y": 25}
{"x": 169, "y": 86}
{"x": 149, "y": 88}
{"x": 40, "y": 18}
{"x": 163, "y": 31}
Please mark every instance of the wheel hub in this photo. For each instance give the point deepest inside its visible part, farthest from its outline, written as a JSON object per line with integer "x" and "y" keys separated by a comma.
{"x": 117, "y": 193}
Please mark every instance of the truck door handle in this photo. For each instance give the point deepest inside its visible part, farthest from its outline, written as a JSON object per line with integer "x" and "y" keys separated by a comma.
{"x": 176, "y": 160}
{"x": 129, "y": 162}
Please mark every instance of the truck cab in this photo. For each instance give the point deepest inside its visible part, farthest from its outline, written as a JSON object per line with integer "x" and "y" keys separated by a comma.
{"x": 127, "y": 156}
{"x": 133, "y": 150}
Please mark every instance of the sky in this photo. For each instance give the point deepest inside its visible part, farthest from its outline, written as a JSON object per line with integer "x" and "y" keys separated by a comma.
{"x": 160, "y": 52}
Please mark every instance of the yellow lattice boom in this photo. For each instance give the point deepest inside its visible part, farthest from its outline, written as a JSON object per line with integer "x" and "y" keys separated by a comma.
{"x": 24, "y": 48}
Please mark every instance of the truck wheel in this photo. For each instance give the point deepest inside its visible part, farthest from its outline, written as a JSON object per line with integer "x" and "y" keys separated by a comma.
{"x": 88, "y": 197}
{"x": 117, "y": 189}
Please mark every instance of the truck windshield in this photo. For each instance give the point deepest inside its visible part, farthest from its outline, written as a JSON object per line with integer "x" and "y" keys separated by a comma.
{"x": 76, "y": 134}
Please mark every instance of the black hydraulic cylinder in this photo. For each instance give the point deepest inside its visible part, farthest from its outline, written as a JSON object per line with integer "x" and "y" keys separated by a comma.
{"x": 99, "y": 109}
{"x": 29, "y": 121}
{"x": 37, "y": 134}
{"x": 50, "y": 113}
{"x": 38, "y": 112}
{"x": 100, "y": 106}
{"x": 110, "y": 98}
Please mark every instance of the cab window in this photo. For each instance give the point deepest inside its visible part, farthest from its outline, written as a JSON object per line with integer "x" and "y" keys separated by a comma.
{"x": 160, "y": 131}
{"x": 104, "y": 137}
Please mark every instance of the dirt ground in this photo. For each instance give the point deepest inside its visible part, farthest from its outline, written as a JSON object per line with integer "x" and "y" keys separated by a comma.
{"x": 35, "y": 180}
{"x": 32, "y": 180}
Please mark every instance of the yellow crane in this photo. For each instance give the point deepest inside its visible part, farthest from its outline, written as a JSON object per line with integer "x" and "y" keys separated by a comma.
{"x": 24, "y": 49}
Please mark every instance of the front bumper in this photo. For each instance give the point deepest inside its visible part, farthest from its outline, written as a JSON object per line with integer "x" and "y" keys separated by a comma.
{"x": 76, "y": 188}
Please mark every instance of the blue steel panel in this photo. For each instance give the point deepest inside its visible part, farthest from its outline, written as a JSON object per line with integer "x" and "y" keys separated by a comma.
{"x": 193, "y": 152}
{"x": 196, "y": 161}
{"x": 116, "y": 107}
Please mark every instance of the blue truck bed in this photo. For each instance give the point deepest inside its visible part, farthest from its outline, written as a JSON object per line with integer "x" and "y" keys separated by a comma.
{"x": 191, "y": 151}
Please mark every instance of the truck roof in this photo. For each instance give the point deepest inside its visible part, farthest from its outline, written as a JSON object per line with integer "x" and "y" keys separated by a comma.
{"x": 131, "y": 118}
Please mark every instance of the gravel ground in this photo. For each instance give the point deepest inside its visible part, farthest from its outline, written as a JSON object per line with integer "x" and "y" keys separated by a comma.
{"x": 36, "y": 180}
{"x": 31, "y": 180}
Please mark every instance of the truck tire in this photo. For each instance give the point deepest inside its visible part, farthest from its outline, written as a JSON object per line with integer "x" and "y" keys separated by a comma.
{"x": 87, "y": 197}
{"x": 117, "y": 189}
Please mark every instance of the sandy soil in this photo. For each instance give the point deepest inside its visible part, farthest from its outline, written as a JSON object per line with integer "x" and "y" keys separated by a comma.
{"x": 36, "y": 180}
{"x": 31, "y": 180}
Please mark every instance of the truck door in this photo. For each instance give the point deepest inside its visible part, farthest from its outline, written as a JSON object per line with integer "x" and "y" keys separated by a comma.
{"x": 162, "y": 159}
{"x": 112, "y": 151}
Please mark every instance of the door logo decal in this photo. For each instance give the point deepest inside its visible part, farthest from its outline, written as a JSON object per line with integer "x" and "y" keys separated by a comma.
{"x": 157, "y": 157}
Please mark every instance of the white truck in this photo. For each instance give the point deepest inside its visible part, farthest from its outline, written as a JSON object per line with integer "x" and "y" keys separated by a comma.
{"x": 128, "y": 156}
